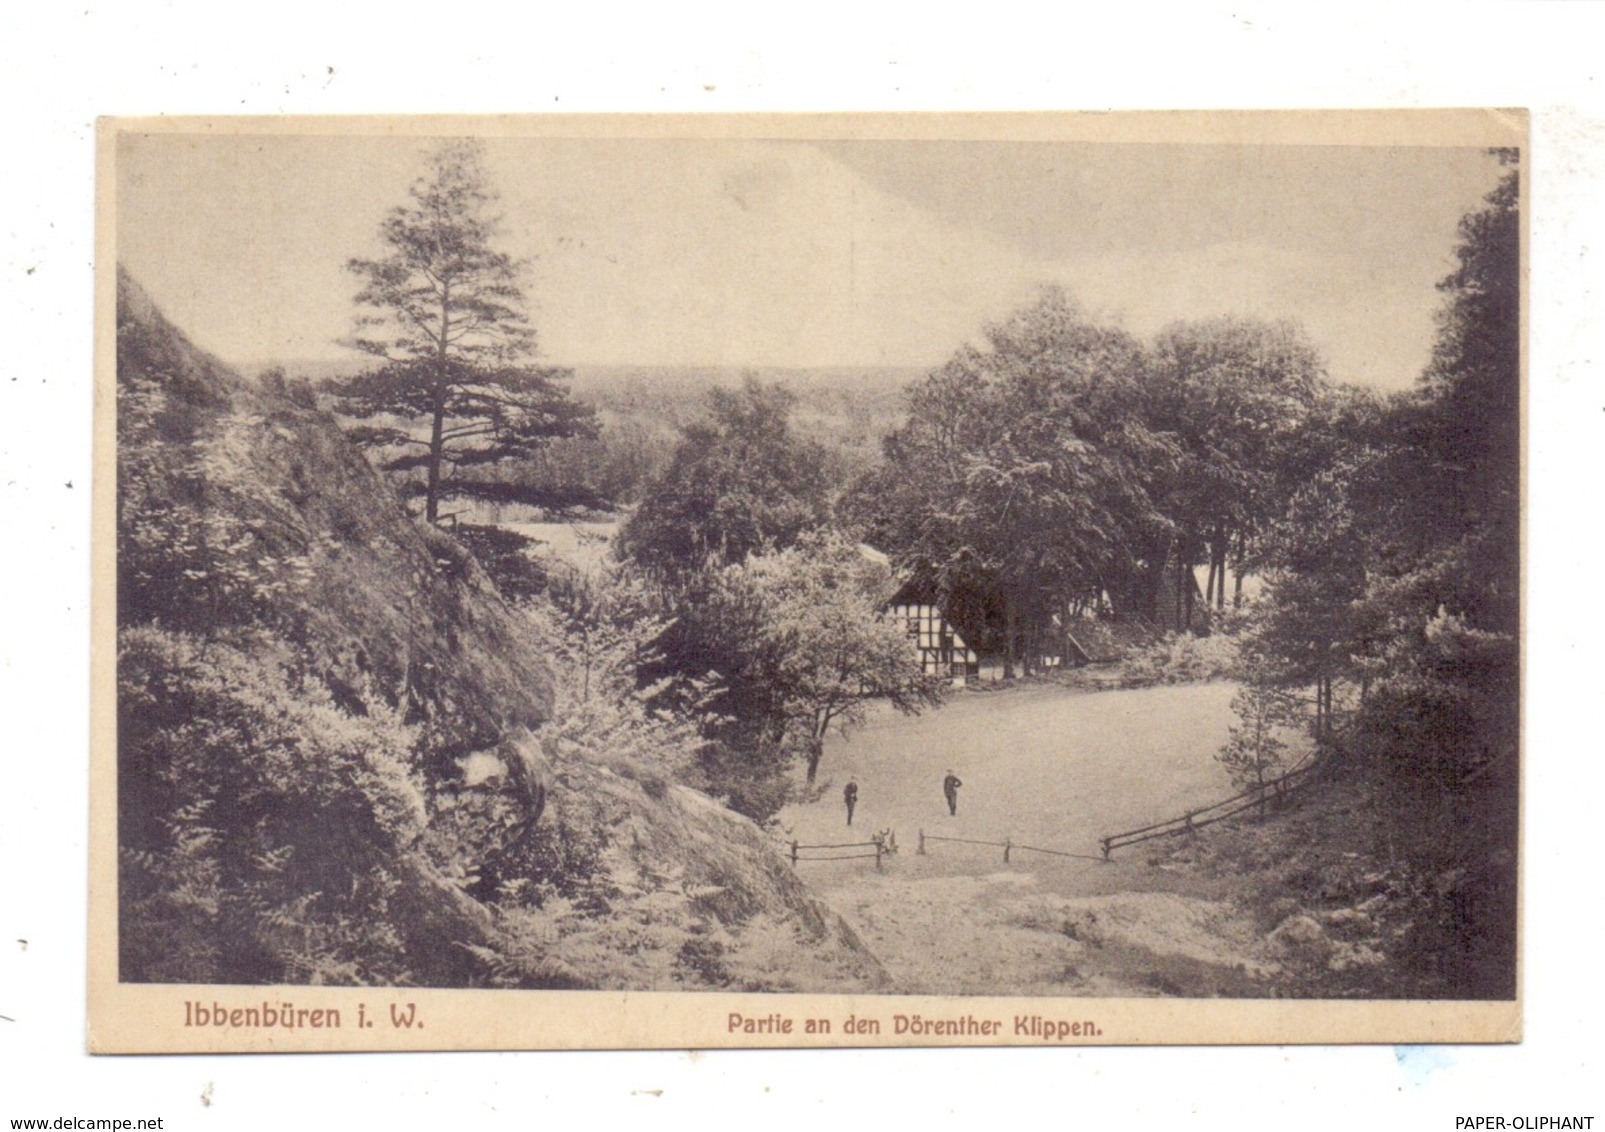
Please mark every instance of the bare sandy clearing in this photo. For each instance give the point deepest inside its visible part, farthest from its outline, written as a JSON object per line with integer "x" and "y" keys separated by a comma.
{"x": 1043, "y": 766}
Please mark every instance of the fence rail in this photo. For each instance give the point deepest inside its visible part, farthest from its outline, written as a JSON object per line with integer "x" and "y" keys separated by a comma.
{"x": 882, "y": 844}
{"x": 1257, "y": 797}
{"x": 1008, "y": 845}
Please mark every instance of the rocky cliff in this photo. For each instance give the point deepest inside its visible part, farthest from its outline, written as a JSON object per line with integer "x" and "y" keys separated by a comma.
{"x": 305, "y": 669}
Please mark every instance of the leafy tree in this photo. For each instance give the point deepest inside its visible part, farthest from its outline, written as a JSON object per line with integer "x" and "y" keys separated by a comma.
{"x": 1064, "y": 466}
{"x": 1017, "y": 482}
{"x": 444, "y": 313}
{"x": 1423, "y": 563}
{"x": 1257, "y": 744}
{"x": 825, "y": 646}
{"x": 773, "y": 653}
{"x": 1235, "y": 394}
{"x": 1447, "y": 511}
{"x": 740, "y": 482}
{"x": 1313, "y": 628}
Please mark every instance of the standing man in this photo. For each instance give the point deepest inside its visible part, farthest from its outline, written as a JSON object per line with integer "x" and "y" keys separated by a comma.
{"x": 850, "y": 796}
{"x": 950, "y": 791}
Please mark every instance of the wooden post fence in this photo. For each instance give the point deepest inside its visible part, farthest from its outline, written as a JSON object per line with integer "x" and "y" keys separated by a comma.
{"x": 883, "y": 844}
{"x": 1008, "y": 845}
{"x": 1277, "y": 791}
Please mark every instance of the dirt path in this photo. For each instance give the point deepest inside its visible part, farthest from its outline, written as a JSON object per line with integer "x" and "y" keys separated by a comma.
{"x": 1041, "y": 766}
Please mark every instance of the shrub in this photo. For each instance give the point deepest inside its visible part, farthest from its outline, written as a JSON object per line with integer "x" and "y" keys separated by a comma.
{"x": 1258, "y": 743}
{"x": 751, "y": 778}
{"x": 1181, "y": 658}
{"x": 262, "y": 828}
{"x": 187, "y": 555}
{"x": 488, "y": 843}
{"x": 653, "y": 937}
{"x": 600, "y": 632}
{"x": 505, "y": 557}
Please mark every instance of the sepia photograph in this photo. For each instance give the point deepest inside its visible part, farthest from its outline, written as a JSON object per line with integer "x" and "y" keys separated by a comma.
{"x": 638, "y": 582}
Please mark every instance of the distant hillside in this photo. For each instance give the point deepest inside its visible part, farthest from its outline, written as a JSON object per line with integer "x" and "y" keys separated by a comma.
{"x": 609, "y": 380}
{"x": 642, "y": 410}
{"x": 304, "y": 672}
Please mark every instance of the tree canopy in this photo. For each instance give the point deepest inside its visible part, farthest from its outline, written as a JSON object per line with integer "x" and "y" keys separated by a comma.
{"x": 1397, "y": 562}
{"x": 1067, "y": 466}
{"x": 824, "y": 646}
{"x": 444, "y": 311}
{"x": 1395, "y": 572}
{"x": 740, "y": 482}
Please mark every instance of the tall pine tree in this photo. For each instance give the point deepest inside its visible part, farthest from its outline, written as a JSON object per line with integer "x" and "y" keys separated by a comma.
{"x": 444, "y": 312}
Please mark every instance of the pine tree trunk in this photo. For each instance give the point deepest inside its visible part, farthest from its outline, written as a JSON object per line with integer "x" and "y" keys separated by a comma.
{"x": 1185, "y": 586}
{"x": 437, "y": 430}
{"x": 1237, "y": 591}
{"x": 1218, "y": 568}
{"x": 1009, "y": 619}
{"x": 437, "y": 447}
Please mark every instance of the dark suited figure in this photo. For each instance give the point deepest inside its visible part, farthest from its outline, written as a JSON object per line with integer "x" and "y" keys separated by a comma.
{"x": 850, "y": 796}
{"x": 950, "y": 791}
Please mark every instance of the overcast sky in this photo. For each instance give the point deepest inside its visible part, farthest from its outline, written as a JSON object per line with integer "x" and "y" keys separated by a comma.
{"x": 785, "y": 253}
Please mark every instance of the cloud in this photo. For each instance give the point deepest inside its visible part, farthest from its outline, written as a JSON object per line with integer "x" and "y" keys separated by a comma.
{"x": 1373, "y": 328}
{"x": 756, "y": 253}
{"x": 782, "y": 253}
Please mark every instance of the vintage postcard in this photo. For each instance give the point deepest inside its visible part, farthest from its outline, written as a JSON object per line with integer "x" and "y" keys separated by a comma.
{"x": 782, "y": 581}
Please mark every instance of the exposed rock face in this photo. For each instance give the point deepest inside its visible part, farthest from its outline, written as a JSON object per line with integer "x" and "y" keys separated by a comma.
{"x": 385, "y": 603}
{"x": 1301, "y": 937}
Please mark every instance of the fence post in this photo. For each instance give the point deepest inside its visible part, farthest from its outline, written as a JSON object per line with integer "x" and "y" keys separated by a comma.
{"x": 920, "y": 852}
{"x": 880, "y": 847}
{"x": 1190, "y": 828}
{"x": 1007, "y": 845}
{"x": 793, "y": 854}
{"x": 1103, "y": 842}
